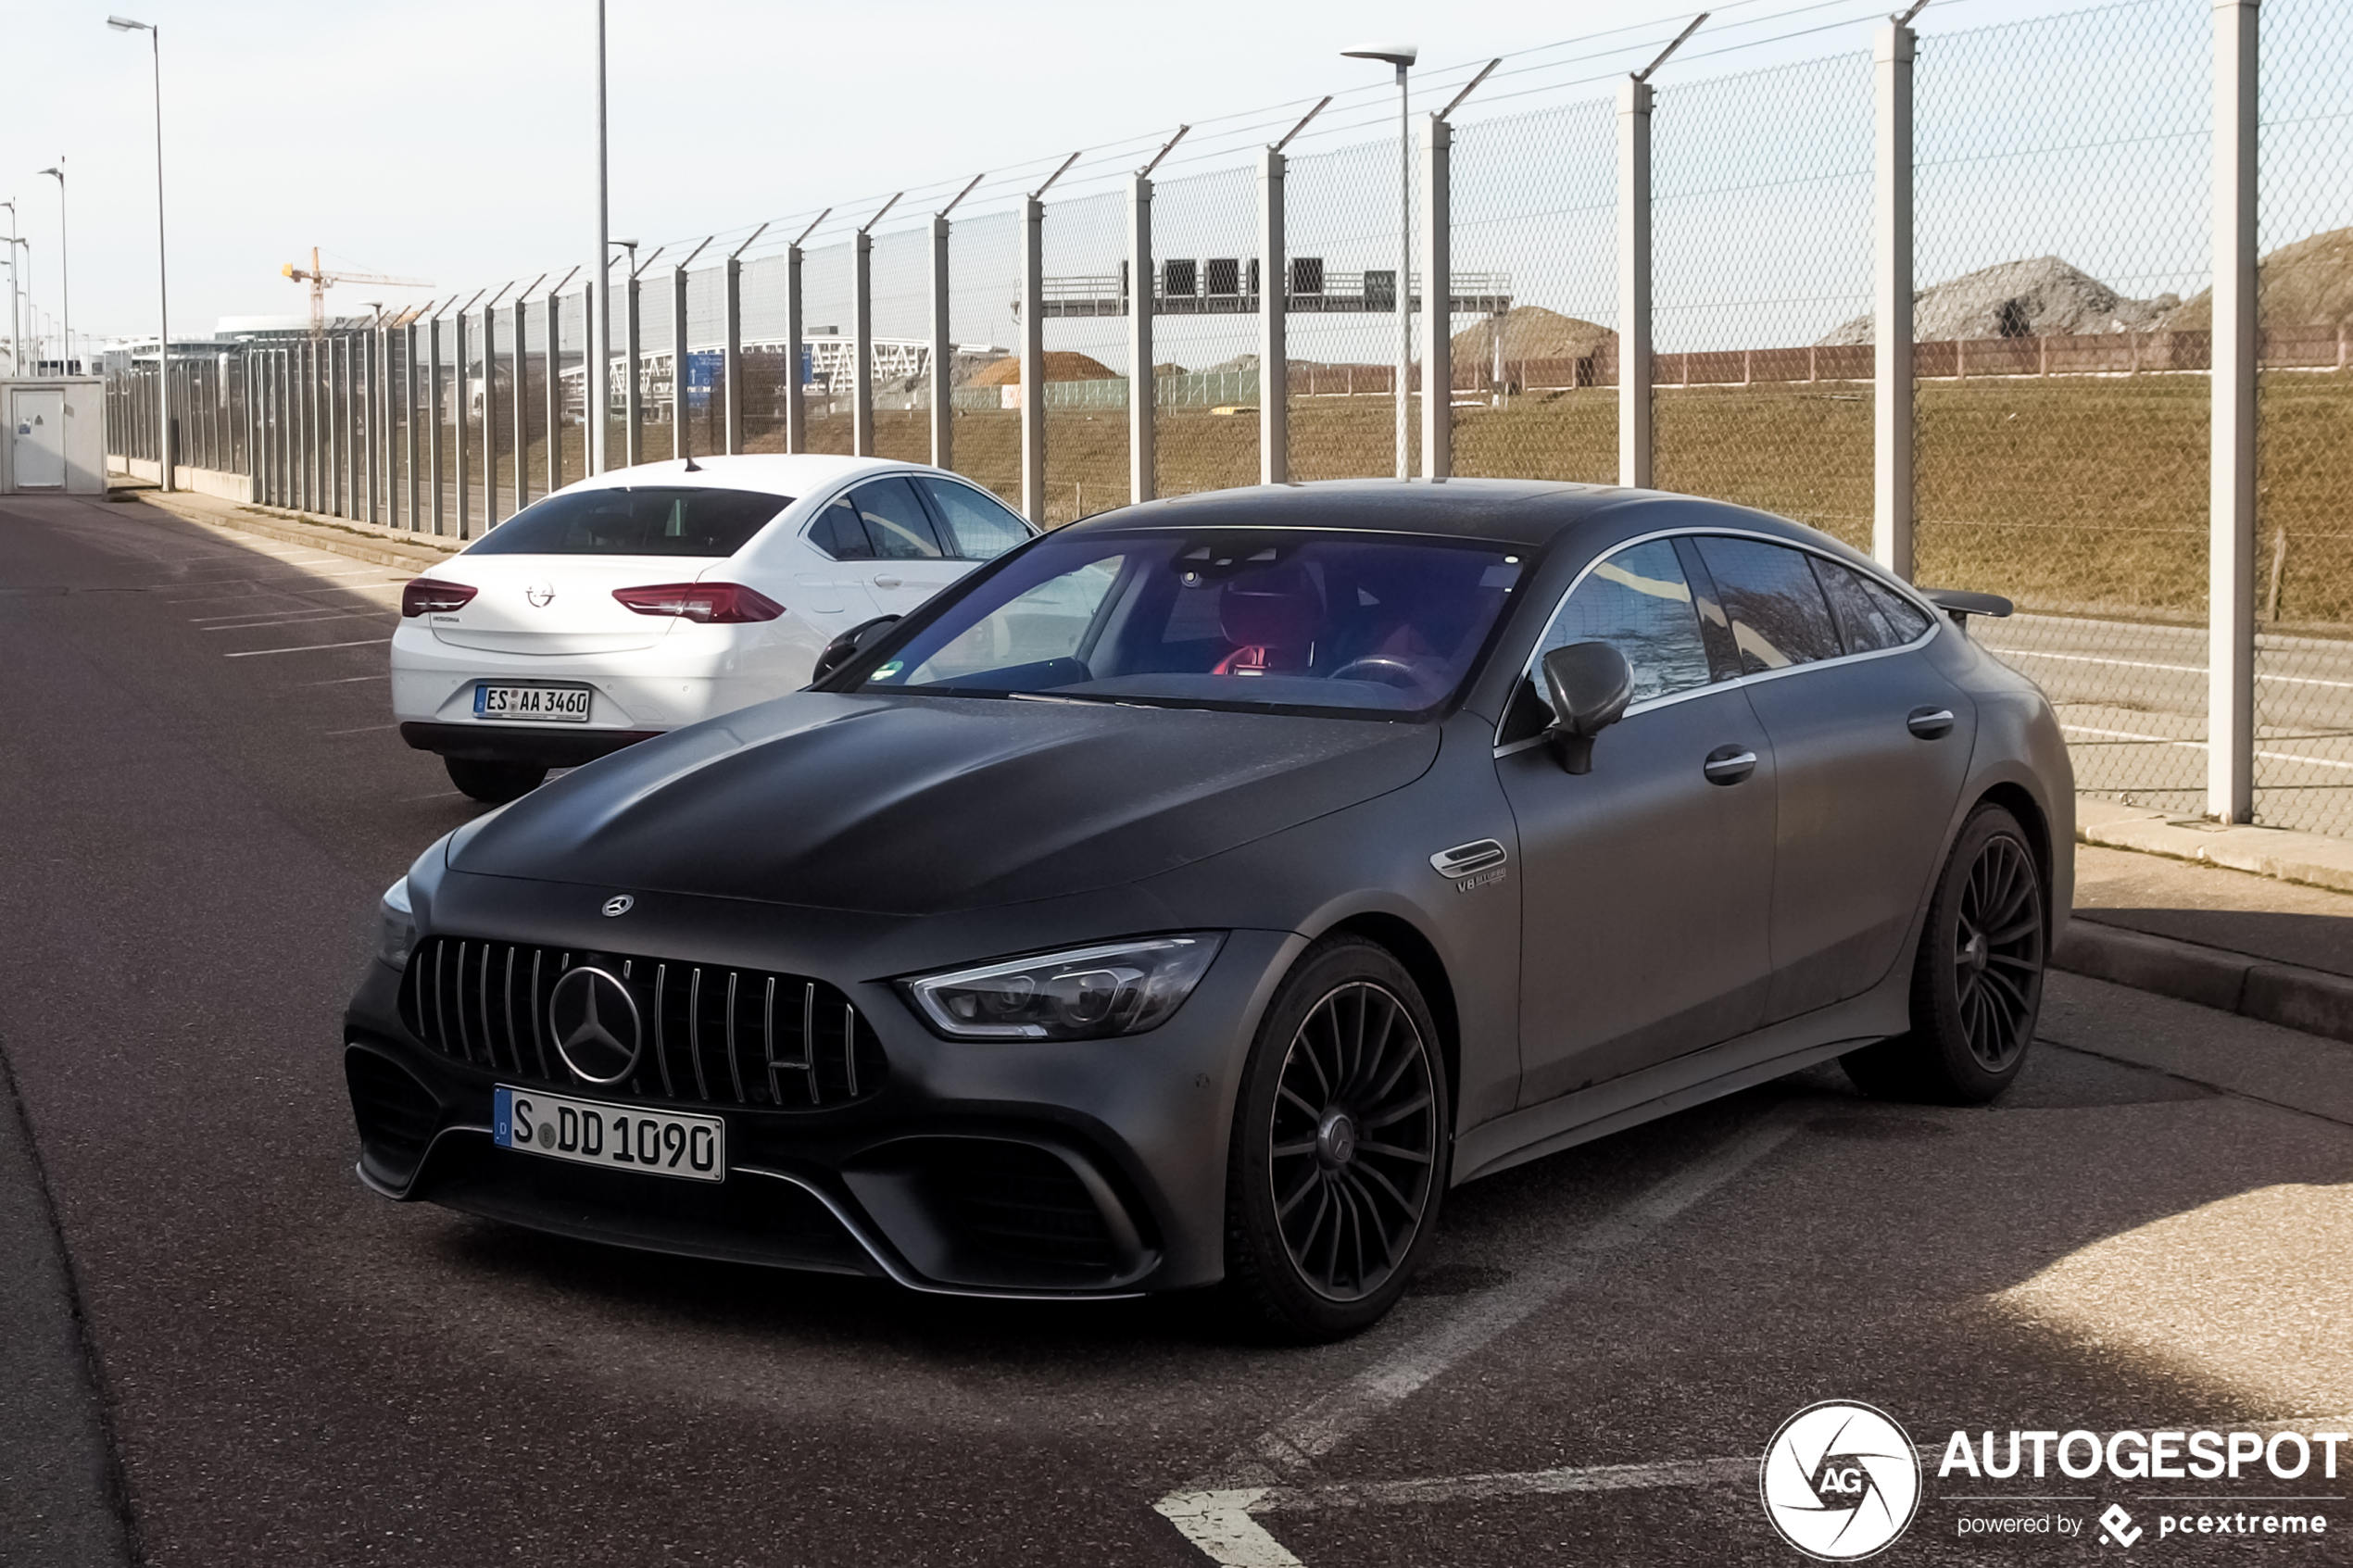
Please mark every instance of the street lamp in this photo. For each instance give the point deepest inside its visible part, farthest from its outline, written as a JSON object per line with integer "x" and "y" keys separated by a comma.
{"x": 65, "y": 278}
{"x": 163, "y": 295}
{"x": 1402, "y": 55}
{"x": 15, "y": 347}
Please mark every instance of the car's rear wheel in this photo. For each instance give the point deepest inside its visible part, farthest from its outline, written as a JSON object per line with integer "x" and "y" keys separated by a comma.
{"x": 1977, "y": 984}
{"x": 494, "y": 783}
{"x": 1339, "y": 1146}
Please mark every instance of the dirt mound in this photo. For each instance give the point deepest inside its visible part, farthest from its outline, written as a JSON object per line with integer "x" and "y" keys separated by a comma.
{"x": 1060, "y": 365}
{"x": 2309, "y": 283}
{"x": 1530, "y": 332}
{"x": 2039, "y": 297}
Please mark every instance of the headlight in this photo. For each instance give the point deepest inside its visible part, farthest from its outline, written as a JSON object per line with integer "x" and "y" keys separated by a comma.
{"x": 1085, "y": 994}
{"x": 395, "y": 925}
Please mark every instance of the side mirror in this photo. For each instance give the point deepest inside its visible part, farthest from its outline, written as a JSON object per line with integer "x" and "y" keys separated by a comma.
{"x": 1590, "y": 685}
{"x": 850, "y": 645}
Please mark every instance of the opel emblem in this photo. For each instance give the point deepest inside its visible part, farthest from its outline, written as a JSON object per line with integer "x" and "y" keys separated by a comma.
{"x": 540, "y": 594}
{"x": 595, "y": 1021}
{"x": 619, "y": 904}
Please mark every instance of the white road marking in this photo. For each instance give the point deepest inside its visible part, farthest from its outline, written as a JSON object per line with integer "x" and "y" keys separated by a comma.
{"x": 2177, "y": 669}
{"x": 2200, "y": 745}
{"x": 1294, "y": 1444}
{"x": 1224, "y": 1522}
{"x": 347, "y": 680}
{"x": 298, "y": 621}
{"x": 362, "y": 730}
{"x": 310, "y": 647}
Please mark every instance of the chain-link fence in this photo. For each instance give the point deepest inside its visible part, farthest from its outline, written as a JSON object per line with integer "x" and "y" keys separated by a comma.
{"x": 2062, "y": 361}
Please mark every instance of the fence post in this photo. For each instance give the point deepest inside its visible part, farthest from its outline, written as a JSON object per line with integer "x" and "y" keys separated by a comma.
{"x": 462, "y": 395}
{"x": 369, "y": 406}
{"x": 596, "y": 366}
{"x": 489, "y": 413}
{"x": 2230, "y": 600}
{"x": 1437, "y": 298}
{"x": 1274, "y": 302}
{"x": 633, "y": 425}
{"x": 1634, "y": 284}
{"x": 678, "y": 444}
{"x": 943, "y": 351}
{"x": 519, "y": 390}
{"x": 315, "y": 416}
{"x": 432, "y": 417}
{"x": 1033, "y": 360}
{"x": 1143, "y": 387}
{"x": 862, "y": 345}
{"x": 552, "y": 364}
{"x": 408, "y": 413}
{"x": 1892, "y": 390}
{"x": 732, "y": 372}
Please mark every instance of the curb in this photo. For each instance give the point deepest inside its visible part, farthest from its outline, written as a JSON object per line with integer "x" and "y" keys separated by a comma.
{"x": 2311, "y": 1000}
{"x": 371, "y": 547}
{"x": 2316, "y": 859}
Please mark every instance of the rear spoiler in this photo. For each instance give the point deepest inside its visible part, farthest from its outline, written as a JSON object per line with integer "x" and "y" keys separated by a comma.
{"x": 1960, "y": 604}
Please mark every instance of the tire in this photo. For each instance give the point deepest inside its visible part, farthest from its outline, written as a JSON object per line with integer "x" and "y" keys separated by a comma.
{"x": 1977, "y": 983}
{"x": 1326, "y": 1221}
{"x": 494, "y": 783}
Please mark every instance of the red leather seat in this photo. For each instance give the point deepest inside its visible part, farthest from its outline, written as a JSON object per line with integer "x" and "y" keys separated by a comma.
{"x": 1271, "y": 617}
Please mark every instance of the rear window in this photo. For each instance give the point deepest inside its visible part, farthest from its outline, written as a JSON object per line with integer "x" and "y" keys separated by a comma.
{"x": 646, "y": 521}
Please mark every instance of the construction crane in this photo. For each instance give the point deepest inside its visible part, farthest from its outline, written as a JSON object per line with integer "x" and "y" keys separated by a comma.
{"x": 321, "y": 281}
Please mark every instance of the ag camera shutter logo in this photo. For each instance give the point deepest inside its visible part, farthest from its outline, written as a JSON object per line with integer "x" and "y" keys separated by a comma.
{"x": 1840, "y": 1481}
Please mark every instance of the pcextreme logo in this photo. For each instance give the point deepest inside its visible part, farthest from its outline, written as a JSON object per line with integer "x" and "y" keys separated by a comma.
{"x": 1840, "y": 1481}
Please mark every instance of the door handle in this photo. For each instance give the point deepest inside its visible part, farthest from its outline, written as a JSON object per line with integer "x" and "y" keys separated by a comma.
{"x": 885, "y": 580}
{"x": 1930, "y": 723}
{"x": 1729, "y": 764}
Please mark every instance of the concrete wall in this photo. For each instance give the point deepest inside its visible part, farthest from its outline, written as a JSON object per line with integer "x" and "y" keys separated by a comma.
{"x": 219, "y": 483}
{"x": 85, "y": 435}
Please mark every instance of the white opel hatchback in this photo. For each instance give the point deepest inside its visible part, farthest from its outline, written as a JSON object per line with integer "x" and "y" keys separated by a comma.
{"x": 644, "y": 599}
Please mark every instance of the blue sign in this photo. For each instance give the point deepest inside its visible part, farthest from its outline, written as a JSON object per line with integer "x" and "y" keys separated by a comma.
{"x": 705, "y": 370}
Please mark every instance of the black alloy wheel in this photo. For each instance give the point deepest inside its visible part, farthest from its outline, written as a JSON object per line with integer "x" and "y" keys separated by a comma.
{"x": 494, "y": 783}
{"x": 1340, "y": 1146}
{"x": 1977, "y": 984}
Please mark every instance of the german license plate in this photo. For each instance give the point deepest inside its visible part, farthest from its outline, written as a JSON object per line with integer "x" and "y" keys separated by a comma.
{"x": 618, "y": 1137}
{"x": 565, "y": 705}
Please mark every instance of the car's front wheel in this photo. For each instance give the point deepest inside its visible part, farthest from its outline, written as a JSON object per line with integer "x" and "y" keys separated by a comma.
{"x": 494, "y": 783}
{"x": 1977, "y": 984}
{"x": 1339, "y": 1146}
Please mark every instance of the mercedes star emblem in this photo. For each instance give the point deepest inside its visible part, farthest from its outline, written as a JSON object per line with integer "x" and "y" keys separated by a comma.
{"x": 596, "y": 1025}
{"x": 619, "y": 904}
{"x": 541, "y": 594}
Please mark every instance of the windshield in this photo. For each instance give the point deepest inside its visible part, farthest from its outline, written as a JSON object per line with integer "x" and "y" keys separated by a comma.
{"x": 647, "y": 520}
{"x": 1358, "y": 625}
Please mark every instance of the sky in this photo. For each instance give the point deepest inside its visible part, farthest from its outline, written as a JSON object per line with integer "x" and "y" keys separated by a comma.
{"x": 456, "y": 142}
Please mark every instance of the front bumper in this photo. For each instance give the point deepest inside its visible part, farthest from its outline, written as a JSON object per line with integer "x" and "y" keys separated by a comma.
{"x": 1022, "y": 1169}
{"x": 546, "y": 746}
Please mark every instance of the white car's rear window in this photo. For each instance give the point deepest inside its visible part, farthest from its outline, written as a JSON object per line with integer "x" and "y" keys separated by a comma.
{"x": 645, "y": 521}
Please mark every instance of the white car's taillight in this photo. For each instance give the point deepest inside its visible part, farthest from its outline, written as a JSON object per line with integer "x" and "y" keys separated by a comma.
{"x": 722, "y": 604}
{"x": 428, "y": 595}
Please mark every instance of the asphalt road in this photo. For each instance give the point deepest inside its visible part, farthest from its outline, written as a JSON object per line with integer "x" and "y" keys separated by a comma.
{"x": 2133, "y": 700}
{"x": 200, "y": 798}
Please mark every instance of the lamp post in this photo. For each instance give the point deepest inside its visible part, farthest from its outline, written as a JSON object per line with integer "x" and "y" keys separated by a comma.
{"x": 595, "y": 387}
{"x": 163, "y": 295}
{"x": 16, "y": 346}
{"x": 1401, "y": 56}
{"x": 64, "y": 277}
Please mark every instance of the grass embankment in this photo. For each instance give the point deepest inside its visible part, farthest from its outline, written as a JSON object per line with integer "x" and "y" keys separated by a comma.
{"x": 2080, "y": 493}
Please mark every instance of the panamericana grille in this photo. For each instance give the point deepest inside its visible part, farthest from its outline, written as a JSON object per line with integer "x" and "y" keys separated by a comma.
{"x": 714, "y": 1034}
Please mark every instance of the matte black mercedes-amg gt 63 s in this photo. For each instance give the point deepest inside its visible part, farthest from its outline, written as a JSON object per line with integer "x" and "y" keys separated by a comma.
{"x": 1196, "y": 893}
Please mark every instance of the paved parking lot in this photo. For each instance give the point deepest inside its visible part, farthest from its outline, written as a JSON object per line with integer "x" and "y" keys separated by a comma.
{"x": 201, "y": 796}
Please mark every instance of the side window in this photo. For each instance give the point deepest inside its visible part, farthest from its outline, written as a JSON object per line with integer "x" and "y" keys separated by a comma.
{"x": 1778, "y": 613}
{"x": 981, "y": 527}
{"x": 839, "y": 532}
{"x": 1639, "y": 602}
{"x": 896, "y": 524}
{"x": 1871, "y": 615}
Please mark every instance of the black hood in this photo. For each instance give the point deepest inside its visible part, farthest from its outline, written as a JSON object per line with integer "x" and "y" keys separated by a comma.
{"x": 923, "y": 806}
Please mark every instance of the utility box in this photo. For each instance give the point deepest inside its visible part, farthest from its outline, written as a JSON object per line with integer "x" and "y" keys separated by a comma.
{"x": 55, "y": 441}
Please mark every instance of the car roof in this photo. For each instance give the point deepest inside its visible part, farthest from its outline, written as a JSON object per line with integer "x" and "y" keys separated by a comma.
{"x": 1518, "y": 512}
{"x": 777, "y": 473}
